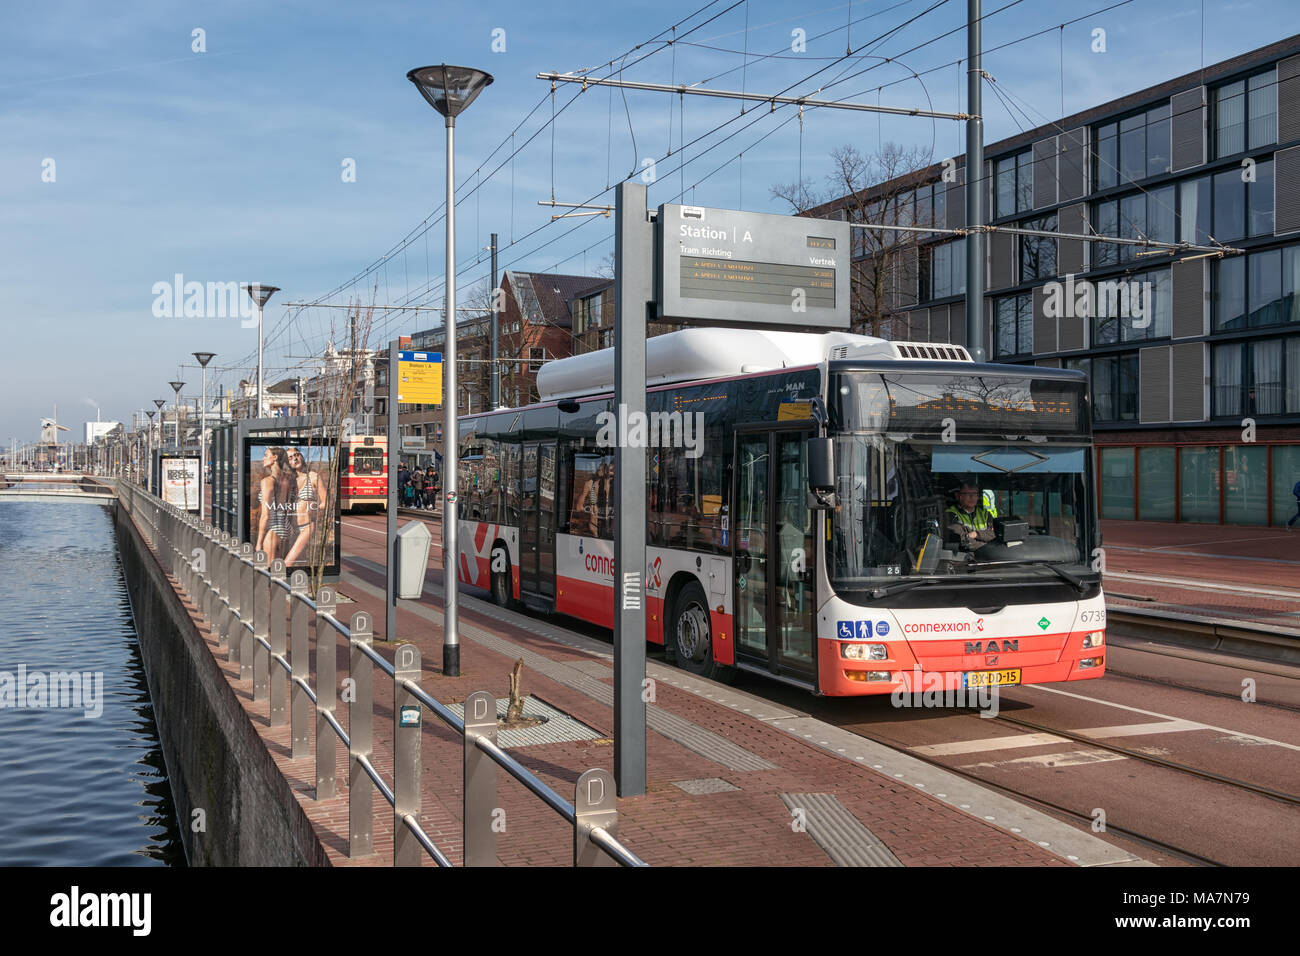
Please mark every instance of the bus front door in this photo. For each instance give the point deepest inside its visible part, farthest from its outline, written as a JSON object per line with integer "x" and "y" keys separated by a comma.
{"x": 537, "y": 515}
{"x": 774, "y": 556}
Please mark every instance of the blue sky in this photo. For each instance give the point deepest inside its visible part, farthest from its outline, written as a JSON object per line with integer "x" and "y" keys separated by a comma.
{"x": 226, "y": 165}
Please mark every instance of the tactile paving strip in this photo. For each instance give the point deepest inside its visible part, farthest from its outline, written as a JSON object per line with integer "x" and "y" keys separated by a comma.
{"x": 839, "y": 832}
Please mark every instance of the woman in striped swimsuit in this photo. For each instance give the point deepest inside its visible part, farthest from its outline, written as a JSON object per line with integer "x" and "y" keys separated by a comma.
{"x": 309, "y": 507}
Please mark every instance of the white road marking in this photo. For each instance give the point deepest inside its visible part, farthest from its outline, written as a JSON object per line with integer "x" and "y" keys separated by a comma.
{"x": 1152, "y": 713}
{"x": 987, "y": 743}
{"x": 1290, "y": 593}
{"x": 1070, "y": 758}
{"x": 1139, "y": 730}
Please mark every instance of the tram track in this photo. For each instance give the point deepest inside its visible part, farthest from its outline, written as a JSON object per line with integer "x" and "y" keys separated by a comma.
{"x": 1269, "y": 792}
{"x": 1086, "y": 820}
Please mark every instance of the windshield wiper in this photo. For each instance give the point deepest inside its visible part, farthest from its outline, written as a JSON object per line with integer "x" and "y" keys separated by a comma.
{"x": 878, "y": 593}
{"x": 1076, "y": 582}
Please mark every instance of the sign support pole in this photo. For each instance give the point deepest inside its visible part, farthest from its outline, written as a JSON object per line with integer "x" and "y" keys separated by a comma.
{"x": 390, "y": 535}
{"x": 634, "y": 257}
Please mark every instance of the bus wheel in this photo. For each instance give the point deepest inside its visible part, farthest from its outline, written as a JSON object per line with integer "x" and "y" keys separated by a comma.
{"x": 501, "y": 589}
{"x": 689, "y": 639}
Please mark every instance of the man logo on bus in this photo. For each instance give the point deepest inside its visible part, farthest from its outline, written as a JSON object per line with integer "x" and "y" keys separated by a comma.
{"x": 654, "y": 573}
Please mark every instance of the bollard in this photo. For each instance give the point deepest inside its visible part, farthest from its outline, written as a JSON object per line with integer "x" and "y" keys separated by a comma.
{"x": 261, "y": 617}
{"x": 361, "y": 810}
{"x": 327, "y": 690}
{"x": 406, "y": 756}
{"x": 221, "y": 587}
{"x": 276, "y": 636}
{"x": 243, "y": 645}
{"x": 480, "y": 781}
{"x": 593, "y": 806}
{"x": 298, "y": 651}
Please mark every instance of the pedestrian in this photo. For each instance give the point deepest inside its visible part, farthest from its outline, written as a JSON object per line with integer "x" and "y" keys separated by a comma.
{"x": 1295, "y": 490}
{"x": 417, "y": 483}
{"x": 431, "y": 487}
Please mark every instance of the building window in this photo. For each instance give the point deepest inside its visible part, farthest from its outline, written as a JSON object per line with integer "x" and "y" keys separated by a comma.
{"x": 1260, "y": 289}
{"x": 1013, "y": 325}
{"x": 943, "y": 270}
{"x": 1013, "y": 177}
{"x": 1151, "y": 214}
{"x": 1133, "y": 149}
{"x": 1133, "y": 308}
{"x": 1194, "y": 205}
{"x": 1243, "y": 115}
{"x": 1256, "y": 378}
{"x": 1038, "y": 253}
{"x": 1114, "y": 381}
{"x": 536, "y": 358}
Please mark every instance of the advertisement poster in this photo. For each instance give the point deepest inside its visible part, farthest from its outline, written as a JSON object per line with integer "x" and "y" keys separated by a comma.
{"x": 180, "y": 482}
{"x": 293, "y": 504}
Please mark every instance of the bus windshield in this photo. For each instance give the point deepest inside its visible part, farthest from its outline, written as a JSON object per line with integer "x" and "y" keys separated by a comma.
{"x": 947, "y": 474}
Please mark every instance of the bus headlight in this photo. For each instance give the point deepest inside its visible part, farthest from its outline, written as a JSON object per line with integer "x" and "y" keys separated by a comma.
{"x": 864, "y": 652}
{"x": 1095, "y": 639}
{"x": 1090, "y": 662}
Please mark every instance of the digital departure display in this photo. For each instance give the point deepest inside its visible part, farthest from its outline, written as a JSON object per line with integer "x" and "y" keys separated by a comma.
{"x": 728, "y": 267}
{"x": 968, "y": 404}
{"x": 764, "y": 283}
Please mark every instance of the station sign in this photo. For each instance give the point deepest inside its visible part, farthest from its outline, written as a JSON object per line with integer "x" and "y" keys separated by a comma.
{"x": 726, "y": 267}
{"x": 419, "y": 377}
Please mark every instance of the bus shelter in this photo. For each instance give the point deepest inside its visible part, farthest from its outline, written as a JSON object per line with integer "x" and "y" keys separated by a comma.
{"x": 275, "y": 484}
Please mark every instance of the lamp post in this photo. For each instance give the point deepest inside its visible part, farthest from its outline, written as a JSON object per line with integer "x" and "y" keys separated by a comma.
{"x": 449, "y": 90}
{"x": 204, "y": 358}
{"x": 148, "y": 465}
{"x": 180, "y": 441}
{"x": 260, "y": 294}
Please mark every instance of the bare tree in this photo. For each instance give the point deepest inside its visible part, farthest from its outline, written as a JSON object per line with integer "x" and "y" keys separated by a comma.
{"x": 338, "y": 401}
{"x": 871, "y": 188}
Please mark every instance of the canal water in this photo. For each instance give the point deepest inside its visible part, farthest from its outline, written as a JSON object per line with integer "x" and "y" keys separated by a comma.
{"x": 82, "y": 777}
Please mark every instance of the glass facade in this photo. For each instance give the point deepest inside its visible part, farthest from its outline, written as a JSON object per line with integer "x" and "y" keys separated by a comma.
{"x": 1157, "y": 487}
{"x": 1244, "y": 484}
{"x": 1117, "y": 483}
{"x": 1198, "y": 480}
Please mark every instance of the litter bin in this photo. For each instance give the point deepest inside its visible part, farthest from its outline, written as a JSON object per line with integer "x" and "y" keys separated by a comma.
{"x": 411, "y": 558}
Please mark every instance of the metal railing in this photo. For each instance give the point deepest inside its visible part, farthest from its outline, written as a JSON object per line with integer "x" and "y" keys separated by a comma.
{"x": 268, "y": 623}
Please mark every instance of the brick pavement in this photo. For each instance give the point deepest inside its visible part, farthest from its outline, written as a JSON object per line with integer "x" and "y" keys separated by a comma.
{"x": 747, "y": 826}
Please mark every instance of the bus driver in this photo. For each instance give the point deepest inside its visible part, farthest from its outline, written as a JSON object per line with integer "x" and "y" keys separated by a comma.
{"x": 969, "y": 519}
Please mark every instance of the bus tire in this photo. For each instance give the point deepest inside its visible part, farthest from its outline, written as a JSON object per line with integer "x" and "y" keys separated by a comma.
{"x": 502, "y": 593}
{"x": 689, "y": 638}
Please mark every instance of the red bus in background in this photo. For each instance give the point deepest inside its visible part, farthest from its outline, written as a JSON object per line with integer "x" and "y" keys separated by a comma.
{"x": 363, "y": 472}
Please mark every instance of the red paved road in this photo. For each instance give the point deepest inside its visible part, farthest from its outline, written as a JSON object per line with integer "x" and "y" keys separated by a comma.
{"x": 1245, "y": 574}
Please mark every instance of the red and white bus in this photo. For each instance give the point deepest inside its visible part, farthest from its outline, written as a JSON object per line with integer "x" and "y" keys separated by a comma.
{"x": 870, "y": 582}
{"x": 363, "y": 479}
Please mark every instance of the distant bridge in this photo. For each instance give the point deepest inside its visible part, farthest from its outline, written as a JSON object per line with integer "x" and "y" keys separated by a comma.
{"x": 54, "y": 487}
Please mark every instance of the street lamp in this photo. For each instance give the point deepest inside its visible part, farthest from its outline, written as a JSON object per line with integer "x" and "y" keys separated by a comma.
{"x": 148, "y": 465}
{"x": 204, "y": 358}
{"x": 260, "y": 294}
{"x": 449, "y": 90}
{"x": 180, "y": 441}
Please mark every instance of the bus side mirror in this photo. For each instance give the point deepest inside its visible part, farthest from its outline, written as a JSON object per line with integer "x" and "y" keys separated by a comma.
{"x": 821, "y": 474}
{"x": 821, "y": 465}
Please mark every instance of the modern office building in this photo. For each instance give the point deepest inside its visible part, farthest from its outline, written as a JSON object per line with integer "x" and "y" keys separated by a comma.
{"x": 1193, "y": 357}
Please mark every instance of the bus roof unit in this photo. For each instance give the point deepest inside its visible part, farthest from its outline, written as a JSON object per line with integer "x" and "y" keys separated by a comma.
{"x": 690, "y": 355}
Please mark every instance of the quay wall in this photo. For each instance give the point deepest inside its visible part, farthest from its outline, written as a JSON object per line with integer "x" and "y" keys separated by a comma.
{"x": 216, "y": 762}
